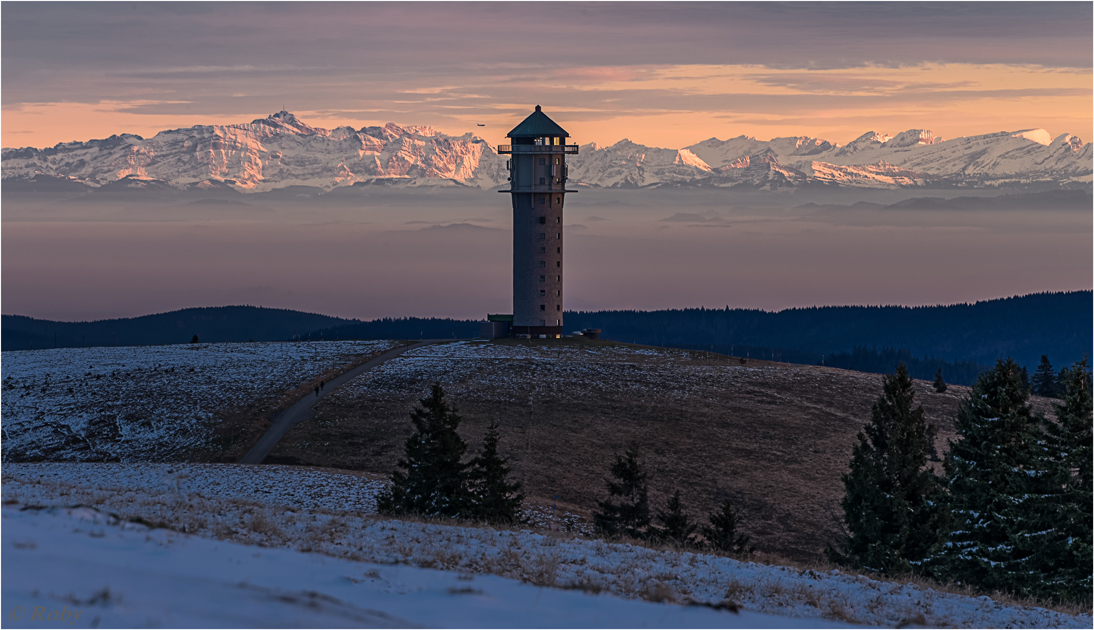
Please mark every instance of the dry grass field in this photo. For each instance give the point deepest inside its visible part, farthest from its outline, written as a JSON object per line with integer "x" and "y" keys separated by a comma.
{"x": 772, "y": 437}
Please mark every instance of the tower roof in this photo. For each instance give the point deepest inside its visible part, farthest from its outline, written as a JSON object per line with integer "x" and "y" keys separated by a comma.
{"x": 537, "y": 125}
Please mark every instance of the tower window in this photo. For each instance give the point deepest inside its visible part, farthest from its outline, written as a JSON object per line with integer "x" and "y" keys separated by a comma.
{"x": 542, "y": 236}
{"x": 558, "y": 263}
{"x": 559, "y": 249}
{"x": 543, "y": 219}
{"x": 542, "y": 180}
{"x": 542, "y": 307}
{"x": 543, "y": 250}
{"x": 558, "y": 307}
{"x": 543, "y": 278}
{"x": 543, "y": 263}
{"x": 558, "y": 292}
{"x": 556, "y": 161}
{"x": 541, "y": 162}
{"x": 542, "y": 199}
{"x": 542, "y": 322}
{"x": 542, "y": 293}
{"x": 558, "y": 220}
{"x": 559, "y": 236}
{"x": 559, "y": 278}
{"x": 558, "y": 199}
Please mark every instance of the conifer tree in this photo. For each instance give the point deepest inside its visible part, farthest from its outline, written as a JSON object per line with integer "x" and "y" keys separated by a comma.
{"x": 1069, "y": 443}
{"x": 889, "y": 498}
{"x": 721, "y": 533}
{"x": 1044, "y": 379}
{"x": 1061, "y": 376}
{"x": 677, "y": 528}
{"x": 932, "y": 440}
{"x": 493, "y": 498}
{"x": 999, "y": 490}
{"x": 629, "y": 482}
{"x": 435, "y": 481}
{"x": 939, "y": 384}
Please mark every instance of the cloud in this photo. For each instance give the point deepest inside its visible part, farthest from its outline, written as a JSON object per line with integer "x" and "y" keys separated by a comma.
{"x": 666, "y": 69}
{"x": 688, "y": 217}
{"x": 459, "y": 227}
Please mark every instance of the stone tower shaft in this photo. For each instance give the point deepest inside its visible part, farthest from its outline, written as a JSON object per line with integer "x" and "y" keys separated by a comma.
{"x": 537, "y": 176}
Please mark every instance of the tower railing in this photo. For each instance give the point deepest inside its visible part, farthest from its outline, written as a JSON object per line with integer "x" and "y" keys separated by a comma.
{"x": 509, "y": 149}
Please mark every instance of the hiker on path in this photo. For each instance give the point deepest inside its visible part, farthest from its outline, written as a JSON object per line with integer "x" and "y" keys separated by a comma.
{"x": 317, "y": 391}
{"x": 321, "y": 383}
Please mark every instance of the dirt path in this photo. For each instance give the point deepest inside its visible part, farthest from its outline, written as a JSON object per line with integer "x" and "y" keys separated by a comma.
{"x": 302, "y": 410}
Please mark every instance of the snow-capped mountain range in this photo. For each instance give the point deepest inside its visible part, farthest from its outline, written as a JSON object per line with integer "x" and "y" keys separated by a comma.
{"x": 280, "y": 151}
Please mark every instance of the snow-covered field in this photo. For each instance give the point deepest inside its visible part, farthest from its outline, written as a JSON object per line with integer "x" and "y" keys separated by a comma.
{"x": 472, "y": 370}
{"x": 291, "y": 487}
{"x": 81, "y": 568}
{"x": 227, "y": 503}
{"x": 147, "y": 403}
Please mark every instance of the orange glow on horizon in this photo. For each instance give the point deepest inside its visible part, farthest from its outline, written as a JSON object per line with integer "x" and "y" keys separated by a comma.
{"x": 685, "y": 105}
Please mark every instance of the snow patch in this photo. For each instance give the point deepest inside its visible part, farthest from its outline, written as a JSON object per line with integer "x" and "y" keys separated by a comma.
{"x": 1040, "y": 136}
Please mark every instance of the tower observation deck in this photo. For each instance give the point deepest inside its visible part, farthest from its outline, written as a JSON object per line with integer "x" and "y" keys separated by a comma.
{"x": 537, "y": 176}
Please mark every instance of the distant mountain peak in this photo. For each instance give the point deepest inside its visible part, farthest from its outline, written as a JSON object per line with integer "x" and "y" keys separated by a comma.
{"x": 281, "y": 150}
{"x": 1073, "y": 142}
{"x": 910, "y": 138}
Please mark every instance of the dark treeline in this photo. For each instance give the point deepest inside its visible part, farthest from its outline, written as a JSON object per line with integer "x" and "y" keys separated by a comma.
{"x": 863, "y": 359}
{"x": 211, "y": 325}
{"x": 958, "y": 339}
{"x": 1024, "y": 327}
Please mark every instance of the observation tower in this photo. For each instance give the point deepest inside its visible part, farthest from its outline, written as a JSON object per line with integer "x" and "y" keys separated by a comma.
{"x": 537, "y": 176}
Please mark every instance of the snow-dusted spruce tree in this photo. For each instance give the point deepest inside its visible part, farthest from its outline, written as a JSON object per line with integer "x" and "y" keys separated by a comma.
{"x": 890, "y": 501}
{"x": 435, "y": 481}
{"x": 493, "y": 498}
{"x": 1069, "y": 442}
{"x": 939, "y": 384}
{"x": 999, "y": 490}
{"x": 677, "y": 528}
{"x": 629, "y": 482}
{"x": 1044, "y": 379}
{"x": 721, "y": 533}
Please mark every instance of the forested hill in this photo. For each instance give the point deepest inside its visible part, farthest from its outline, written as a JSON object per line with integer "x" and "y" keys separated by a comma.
{"x": 214, "y": 324}
{"x": 960, "y": 338}
{"x": 1023, "y": 327}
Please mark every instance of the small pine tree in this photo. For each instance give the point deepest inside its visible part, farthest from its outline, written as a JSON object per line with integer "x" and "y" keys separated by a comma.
{"x": 1044, "y": 379}
{"x": 678, "y": 528}
{"x": 435, "y": 481}
{"x": 999, "y": 490}
{"x": 631, "y": 515}
{"x": 1061, "y": 385}
{"x": 1069, "y": 443}
{"x": 1024, "y": 374}
{"x": 493, "y": 498}
{"x": 939, "y": 384}
{"x": 889, "y": 492}
{"x": 721, "y": 533}
{"x": 194, "y": 339}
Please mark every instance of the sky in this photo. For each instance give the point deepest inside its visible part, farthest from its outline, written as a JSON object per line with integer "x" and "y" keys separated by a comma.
{"x": 661, "y": 74}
